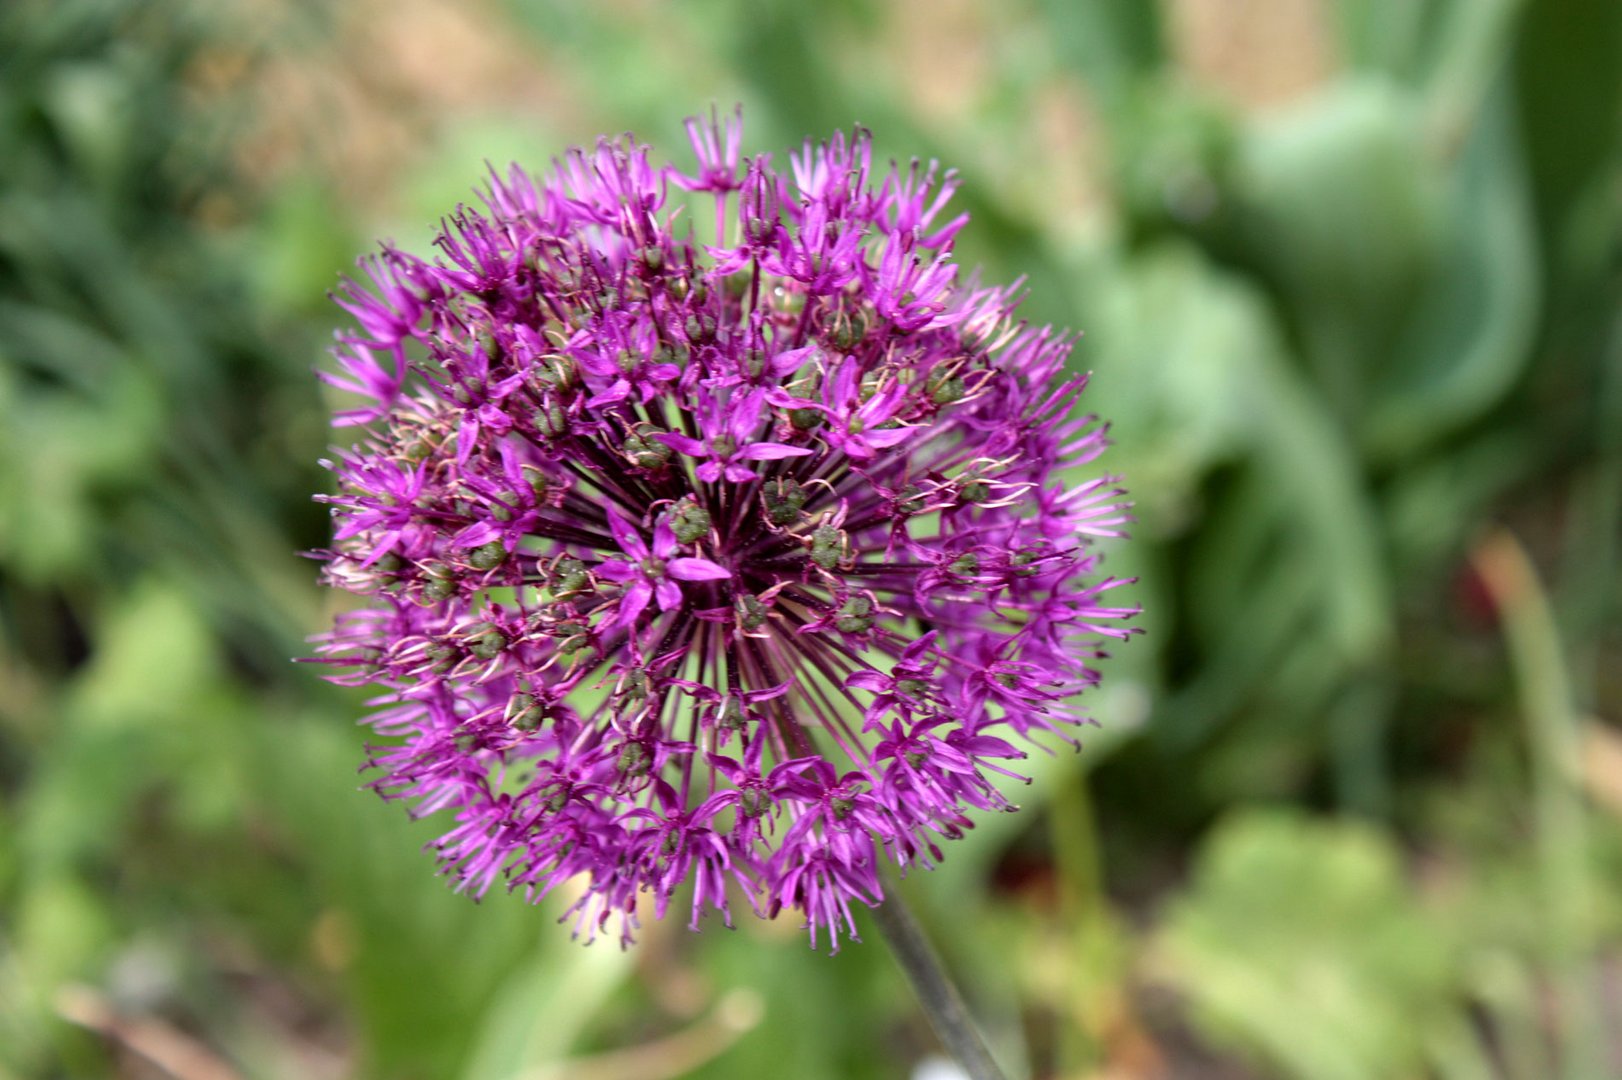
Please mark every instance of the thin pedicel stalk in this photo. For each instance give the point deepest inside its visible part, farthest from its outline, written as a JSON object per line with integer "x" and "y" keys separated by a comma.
{"x": 936, "y": 991}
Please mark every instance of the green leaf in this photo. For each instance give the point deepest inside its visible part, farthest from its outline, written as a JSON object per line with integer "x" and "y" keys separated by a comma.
{"x": 539, "y": 1014}
{"x": 1299, "y": 941}
{"x": 1340, "y": 207}
{"x": 1471, "y": 334}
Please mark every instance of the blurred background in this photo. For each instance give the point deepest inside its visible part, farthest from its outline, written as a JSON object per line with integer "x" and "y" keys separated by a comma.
{"x": 1349, "y": 275}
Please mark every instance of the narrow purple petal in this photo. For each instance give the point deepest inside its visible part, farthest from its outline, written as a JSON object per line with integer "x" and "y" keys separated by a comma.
{"x": 664, "y": 540}
{"x": 689, "y": 569}
{"x": 770, "y": 451}
{"x": 612, "y": 396}
{"x": 617, "y": 570}
{"x": 887, "y": 437}
{"x": 746, "y": 415}
{"x": 634, "y": 601}
{"x": 683, "y": 444}
{"x": 626, "y": 536}
{"x": 789, "y": 361}
{"x": 869, "y": 680}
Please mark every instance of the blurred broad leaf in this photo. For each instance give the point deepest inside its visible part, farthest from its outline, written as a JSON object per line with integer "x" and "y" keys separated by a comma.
{"x": 1298, "y": 940}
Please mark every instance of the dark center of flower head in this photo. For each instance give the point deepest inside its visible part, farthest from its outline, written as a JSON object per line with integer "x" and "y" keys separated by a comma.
{"x": 737, "y": 552}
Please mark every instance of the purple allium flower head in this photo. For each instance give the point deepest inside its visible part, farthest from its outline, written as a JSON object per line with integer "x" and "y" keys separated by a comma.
{"x": 742, "y": 557}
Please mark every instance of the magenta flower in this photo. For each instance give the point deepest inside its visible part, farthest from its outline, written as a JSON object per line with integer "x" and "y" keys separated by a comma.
{"x": 726, "y": 448}
{"x": 731, "y": 563}
{"x": 652, "y": 574}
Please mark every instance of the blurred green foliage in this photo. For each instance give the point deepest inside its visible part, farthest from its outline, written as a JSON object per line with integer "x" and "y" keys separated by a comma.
{"x": 1331, "y": 828}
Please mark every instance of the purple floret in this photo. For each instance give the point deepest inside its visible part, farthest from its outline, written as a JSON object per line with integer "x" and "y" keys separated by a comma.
{"x": 735, "y": 562}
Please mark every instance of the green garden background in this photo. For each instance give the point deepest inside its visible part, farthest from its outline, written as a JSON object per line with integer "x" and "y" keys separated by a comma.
{"x": 1350, "y": 280}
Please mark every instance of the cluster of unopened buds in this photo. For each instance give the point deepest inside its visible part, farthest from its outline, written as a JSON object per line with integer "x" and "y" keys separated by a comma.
{"x": 740, "y": 563}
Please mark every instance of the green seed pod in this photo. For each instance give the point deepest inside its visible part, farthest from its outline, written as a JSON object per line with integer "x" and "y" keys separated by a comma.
{"x": 490, "y": 346}
{"x": 437, "y": 589}
{"x": 488, "y": 646}
{"x": 784, "y": 500}
{"x": 909, "y": 500}
{"x": 563, "y": 372}
{"x": 944, "y": 390}
{"x": 488, "y": 556}
{"x": 551, "y": 420}
{"x": 731, "y": 715}
{"x": 751, "y": 613}
{"x": 441, "y": 655}
{"x": 568, "y": 576}
{"x": 689, "y": 522}
{"x": 646, "y": 453}
{"x": 438, "y": 582}
{"x": 849, "y": 333}
{"x": 700, "y": 328}
{"x": 805, "y": 419}
{"x": 754, "y": 802}
{"x": 636, "y": 685}
{"x": 523, "y": 713}
{"x": 854, "y": 615}
{"x": 827, "y": 546}
{"x": 634, "y": 760}
{"x": 572, "y": 634}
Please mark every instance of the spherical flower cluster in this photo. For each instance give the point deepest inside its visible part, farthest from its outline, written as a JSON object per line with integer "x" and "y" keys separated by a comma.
{"x": 734, "y": 563}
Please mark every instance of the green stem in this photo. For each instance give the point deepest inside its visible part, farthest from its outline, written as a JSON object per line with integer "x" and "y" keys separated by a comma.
{"x": 1554, "y": 739}
{"x": 1074, "y": 840}
{"x": 935, "y": 990}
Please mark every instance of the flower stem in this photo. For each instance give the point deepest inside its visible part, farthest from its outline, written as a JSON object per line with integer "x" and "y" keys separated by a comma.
{"x": 935, "y": 990}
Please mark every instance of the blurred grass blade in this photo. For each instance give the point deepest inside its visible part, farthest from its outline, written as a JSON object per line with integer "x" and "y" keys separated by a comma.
{"x": 1554, "y": 744}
